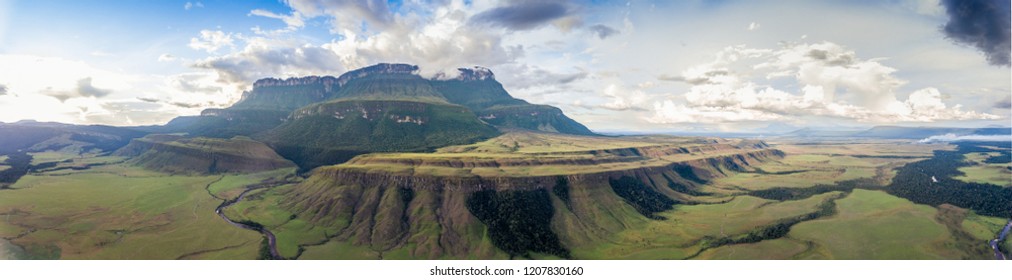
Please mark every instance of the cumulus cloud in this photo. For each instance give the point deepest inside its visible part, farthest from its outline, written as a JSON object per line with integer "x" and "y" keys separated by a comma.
{"x": 623, "y": 99}
{"x": 949, "y": 137}
{"x": 212, "y": 40}
{"x": 262, "y": 58}
{"x": 523, "y": 15}
{"x": 602, "y": 31}
{"x": 438, "y": 42}
{"x": 831, "y": 81}
{"x": 983, "y": 24}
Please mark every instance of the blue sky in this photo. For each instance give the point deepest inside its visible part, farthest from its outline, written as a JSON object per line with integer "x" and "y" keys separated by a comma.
{"x": 613, "y": 65}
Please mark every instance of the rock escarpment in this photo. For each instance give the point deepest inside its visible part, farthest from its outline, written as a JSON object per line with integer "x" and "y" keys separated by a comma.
{"x": 436, "y": 216}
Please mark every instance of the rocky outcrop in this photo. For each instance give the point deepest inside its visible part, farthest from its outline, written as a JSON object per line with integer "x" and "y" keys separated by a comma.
{"x": 327, "y": 82}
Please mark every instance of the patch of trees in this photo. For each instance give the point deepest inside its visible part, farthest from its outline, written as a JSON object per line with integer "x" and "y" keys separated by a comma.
{"x": 561, "y": 190}
{"x": 251, "y": 225}
{"x": 644, "y": 199}
{"x": 308, "y": 158}
{"x": 764, "y": 172}
{"x": 265, "y": 250}
{"x": 783, "y": 194}
{"x": 682, "y": 188}
{"x": 19, "y": 163}
{"x": 686, "y": 172}
{"x": 519, "y": 222}
{"x": 1004, "y": 157}
{"x": 913, "y": 182}
{"x": 776, "y": 230}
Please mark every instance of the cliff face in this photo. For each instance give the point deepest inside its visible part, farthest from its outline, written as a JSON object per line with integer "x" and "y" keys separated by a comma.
{"x": 174, "y": 154}
{"x": 452, "y": 216}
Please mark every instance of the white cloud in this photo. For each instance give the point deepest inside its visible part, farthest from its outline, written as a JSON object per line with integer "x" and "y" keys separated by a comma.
{"x": 69, "y": 91}
{"x": 623, "y": 99}
{"x": 191, "y": 5}
{"x": 212, "y": 40}
{"x": 439, "y": 41}
{"x": 753, "y": 26}
{"x": 949, "y": 137}
{"x": 293, "y": 22}
{"x": 751, "y": 84}
{"x": 166, "y": 58}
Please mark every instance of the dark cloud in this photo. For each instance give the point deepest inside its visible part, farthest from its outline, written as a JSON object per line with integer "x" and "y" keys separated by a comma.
{"x": 244, "y": 67}
{"x": 347, "y": 13}
{"x": 188, "y": 83}
{"x": 149, "y": 100}
{"x": 83, "y": 89}
{"x": 623, "y": 109}
{"x": 524, "y": 15}
{"x": 186, "y": 105}
{"x": 704, "y": 79}
{"x": 527, "y": 76}
{"x": 832, "y": 59}
{"x": 602, "y": 31}
{"x": 1004, "y": 103}
{"x": 984, "y": 24}
{"x": 3, "y": 90}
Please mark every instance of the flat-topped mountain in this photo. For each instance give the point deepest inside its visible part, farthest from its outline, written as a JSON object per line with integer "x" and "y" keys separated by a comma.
{"x": 319, "y": 120}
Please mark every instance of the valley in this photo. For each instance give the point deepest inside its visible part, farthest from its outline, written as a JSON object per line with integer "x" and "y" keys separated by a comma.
{"x": 667, "y": 198}
{"x": 381, "y": 163}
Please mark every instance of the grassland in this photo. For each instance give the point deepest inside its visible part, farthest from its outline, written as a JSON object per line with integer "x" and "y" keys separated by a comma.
{"x": 686, "y": 227}
{"x": 3, "y": 159}
{"x": 524, "y": 154}
{"x": 982, "y": 172}
{"x": 808, "y": 164}
{"x": 120, "y": 212}
{"x": 290, "y": 230}
{"x": 87, "y": 207}
{"x": 775, "y": 249}
{"x": 875, "y": 225}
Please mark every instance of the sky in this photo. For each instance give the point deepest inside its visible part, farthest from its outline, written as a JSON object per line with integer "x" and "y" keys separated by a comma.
{"x": 615, "y": 66}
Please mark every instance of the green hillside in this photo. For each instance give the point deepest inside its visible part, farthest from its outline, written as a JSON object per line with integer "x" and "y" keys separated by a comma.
{"x": 176, "y": 155}
{"x": 332, "y": 132}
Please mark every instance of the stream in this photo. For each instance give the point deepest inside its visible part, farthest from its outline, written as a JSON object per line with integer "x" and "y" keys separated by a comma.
{"x": 271, "y": 240}
{"x": 1001, "y": 236}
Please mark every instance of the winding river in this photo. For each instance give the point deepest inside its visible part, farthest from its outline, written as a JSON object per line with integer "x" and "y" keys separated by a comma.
{"x": 271, "y": 240}
{"x": 1001, "y": 236}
